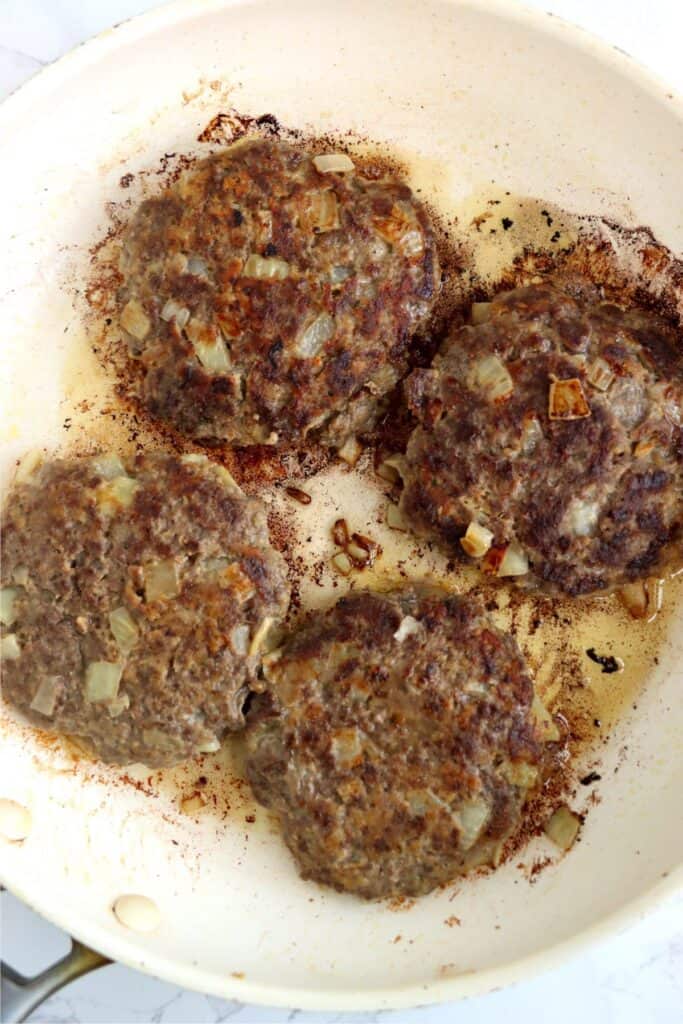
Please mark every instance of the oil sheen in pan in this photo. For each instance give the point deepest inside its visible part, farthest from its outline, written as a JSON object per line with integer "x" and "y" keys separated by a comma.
{"x": 495, "y": 230}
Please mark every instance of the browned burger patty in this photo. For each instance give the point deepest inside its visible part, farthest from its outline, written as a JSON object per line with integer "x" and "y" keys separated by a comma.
{"x": 555, "y": 423}
{"x": 395, "y": 742}
{"x": 270, "y": 300}
{"x": 134, "y": 597}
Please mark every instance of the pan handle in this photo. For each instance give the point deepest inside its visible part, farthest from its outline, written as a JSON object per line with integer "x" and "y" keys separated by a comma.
{"x": 19, "y": 996}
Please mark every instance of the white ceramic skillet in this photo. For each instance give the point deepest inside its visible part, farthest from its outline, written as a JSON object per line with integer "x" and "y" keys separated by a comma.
{"x": 475, "y": 96}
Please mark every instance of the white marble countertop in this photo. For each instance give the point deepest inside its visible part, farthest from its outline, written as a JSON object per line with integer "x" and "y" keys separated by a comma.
{"x": 636, "y": 977}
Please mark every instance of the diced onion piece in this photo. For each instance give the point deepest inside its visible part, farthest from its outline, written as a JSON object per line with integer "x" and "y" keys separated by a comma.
{"x": 582, "y": 517}
{"x": 239, "y": 640}
{"x": 108, "y": 466}
{"x": 10, "y": 648}
{"x": 8, "y": 596}
{"x": 273, "y": 640}
{"x": 346, "y": 746}
{"x": 102, "y": 680}
{"x": 194, "y": 459}
{"x": 192, "y": 804}
{"x": 173, "y": 310}
{"x": 340, "y": 274}
{"x": 546, "y": 726}
{"x": 396, "y": 519}
{"x": 124, "y": 629}
{"x": 567, "y": 401}
{"x": 213, "y": 357}
{"x": 356, "y": 553}
{"x": 198, "y": 266}
{"x": 412, "y": 242}
{"x": 45, "y": 699}
{"x": 15, "y": 820}
{"x": 477, "y": 688}
{"x": 134, "y": 320}
{"x": 272, "y": 657}
{"x": 401, "y": 228}
{"x": 644, "y": 447}
{"x": 673, "y": 409}
{"x": 227, "y": 479}
{"x": 521, "y": 773}
{"x": 224, "y": 475}
{"x": 333, "y": 163}
{"x": 209, "y": 746}
{"x": 418, "y": 801}
{"x": 532, "y": 434}
{"x": 362, "y": 550}
{"x": 117, "y": 493}
{"x": 480, "y": 313}
{"x": 477, "y": 540}
{"x": 643, "y": 599}
{"x": 123, "y": 490}
{"x": 600, "y": 374}
{"x": 266, "y": 268}
{"x": 261, "y": 634}
{"x": 342, "y": 563}
{"x": 472, "y": 817}
{"x": 491, "y": 376}
{"x": 514, "y": 561}
{"x": 409, "y": 626}
{"x": 563, "y": 827}
{"x": 161, "y": 580}
{"x": 316, "y": 335}
{"x": 177, "y": 264}
{"x": 350, "y": 451}
{"x": 20, "y": 576}
{"x": 160, "y": 740}
{"x": 324, "y": 211}
{"x": 388, "y": 473}
{"x": 118, "y": 705}
{"x": 303, "y": 497}
{"x": 634, "y": 597}
{"x": 216, "y": 566}
{"x": 137, "y": 913}
{"x": 28, "y": 464}
{"x": 398, "y": 463}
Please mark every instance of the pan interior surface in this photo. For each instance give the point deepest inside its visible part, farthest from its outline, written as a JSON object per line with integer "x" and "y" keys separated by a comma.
{"x": 476, "y": 100}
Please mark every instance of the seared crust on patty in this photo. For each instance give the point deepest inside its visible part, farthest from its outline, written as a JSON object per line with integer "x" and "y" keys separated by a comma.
{"x": 556, "y": 424}
{"x": 269, "y": 302}
{"x": 133, "y": 592}
{"x": 395, "y": 742}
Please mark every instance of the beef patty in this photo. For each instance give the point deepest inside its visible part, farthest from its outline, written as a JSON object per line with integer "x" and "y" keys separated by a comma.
{"x": 395, "y": 742}
{"x": 550, "y": 440}
{"x": 135, "y": 596}
{"x": 270, "y": 299}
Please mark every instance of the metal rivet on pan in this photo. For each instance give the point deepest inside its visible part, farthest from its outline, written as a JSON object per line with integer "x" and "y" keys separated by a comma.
{"x": 138, "y": 913}
{"x": 15, "y": 820}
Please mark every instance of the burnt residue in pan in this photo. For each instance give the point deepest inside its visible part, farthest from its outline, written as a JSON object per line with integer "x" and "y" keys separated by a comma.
{"x": 229, "y": 126}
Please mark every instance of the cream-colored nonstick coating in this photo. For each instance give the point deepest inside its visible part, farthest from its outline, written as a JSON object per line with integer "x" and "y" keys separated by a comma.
{"x": 233, "y": 917}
